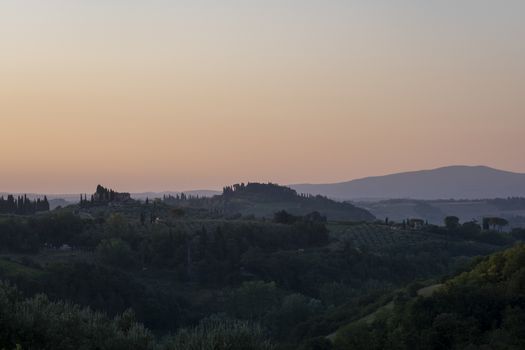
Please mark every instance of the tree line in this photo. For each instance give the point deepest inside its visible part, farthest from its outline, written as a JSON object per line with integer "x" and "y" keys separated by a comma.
{"x": 269, "y": 189}
{"x": 22, "y": 205}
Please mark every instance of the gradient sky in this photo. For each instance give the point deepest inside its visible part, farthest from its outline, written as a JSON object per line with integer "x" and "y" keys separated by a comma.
{"x": 159, "y": 95}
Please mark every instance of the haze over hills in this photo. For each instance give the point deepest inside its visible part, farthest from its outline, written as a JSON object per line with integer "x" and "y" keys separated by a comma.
{"x": 452, "y": 182}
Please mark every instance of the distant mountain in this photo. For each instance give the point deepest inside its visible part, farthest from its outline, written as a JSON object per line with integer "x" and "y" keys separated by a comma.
{"x": 458, "y": 182}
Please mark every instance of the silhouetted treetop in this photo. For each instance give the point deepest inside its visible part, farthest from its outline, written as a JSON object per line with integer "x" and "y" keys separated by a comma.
{"x": 269, "y": 190}
{"x": 22, "y": 205}
{"x": 104, "y": 195}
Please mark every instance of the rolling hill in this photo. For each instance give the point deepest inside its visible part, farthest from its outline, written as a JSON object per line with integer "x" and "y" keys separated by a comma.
{"x": 264, "y": 200}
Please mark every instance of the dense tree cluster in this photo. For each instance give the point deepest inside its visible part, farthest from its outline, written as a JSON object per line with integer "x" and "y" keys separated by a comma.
{"x": 104, "y": 195}
{"x": 22, "y": 205}
{"x": 495, "y": 223}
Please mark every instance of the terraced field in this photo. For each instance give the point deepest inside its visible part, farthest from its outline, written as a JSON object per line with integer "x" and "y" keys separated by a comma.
{"x": 377, "y": 237}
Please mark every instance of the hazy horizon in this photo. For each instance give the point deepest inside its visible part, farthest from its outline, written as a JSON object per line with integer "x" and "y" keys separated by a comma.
{"x": 219, "y": 187}
{"x": 170, "y": 95}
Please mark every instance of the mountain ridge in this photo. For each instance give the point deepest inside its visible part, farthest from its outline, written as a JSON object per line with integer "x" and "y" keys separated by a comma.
{"x": 450, "y": 182}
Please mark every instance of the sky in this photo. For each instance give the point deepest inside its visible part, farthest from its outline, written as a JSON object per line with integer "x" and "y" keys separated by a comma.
{"x": 176, "y": 95}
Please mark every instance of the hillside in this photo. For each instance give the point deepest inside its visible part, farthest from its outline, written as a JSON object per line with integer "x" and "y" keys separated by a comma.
{"x": 482, "y": 308}
{"x": 458, "y": 182}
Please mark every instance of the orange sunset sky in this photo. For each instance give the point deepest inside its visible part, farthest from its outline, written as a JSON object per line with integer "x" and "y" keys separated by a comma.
{"x": 176, "y": 95}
